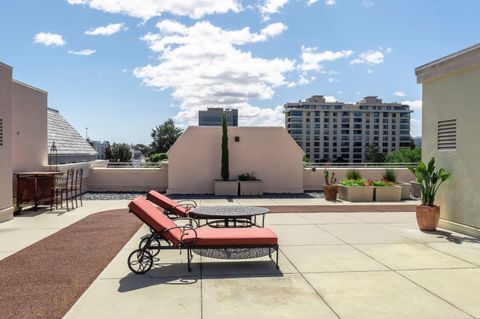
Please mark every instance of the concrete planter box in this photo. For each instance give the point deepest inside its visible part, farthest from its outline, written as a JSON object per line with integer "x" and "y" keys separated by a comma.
{"x": 416, "y": 189}
{"x": 388, "y": 194}
{"x": 406, "y": 189}
{"x": 251, "y": 188}
{"x": 226, "y": 188}
{"x": 356, "y": 193}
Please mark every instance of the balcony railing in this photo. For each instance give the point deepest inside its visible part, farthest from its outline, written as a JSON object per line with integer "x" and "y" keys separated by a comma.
{"x": 360, "y": 165}
{"x": 133, "y": 165}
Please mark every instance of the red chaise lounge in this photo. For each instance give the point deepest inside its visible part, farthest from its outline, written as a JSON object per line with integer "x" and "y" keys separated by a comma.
{"x": 186, "y": 237}
{"x": 171, "y": 208}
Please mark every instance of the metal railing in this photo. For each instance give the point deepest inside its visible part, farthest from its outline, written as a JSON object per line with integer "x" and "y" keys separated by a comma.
{"x": 359, "y": 165}
{"x": 133, "y": 165}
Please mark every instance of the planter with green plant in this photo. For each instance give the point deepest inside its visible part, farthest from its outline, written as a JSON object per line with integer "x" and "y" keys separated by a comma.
{"x": 330, "y": 187}
{"x": 354, "y": 188}
{"x": 391, "y": 176}
{"x": 386, "y": 191}
{"x": 428, "y": 214}
{"x": 225, "y": 186}
{"x": 250, "y": 184}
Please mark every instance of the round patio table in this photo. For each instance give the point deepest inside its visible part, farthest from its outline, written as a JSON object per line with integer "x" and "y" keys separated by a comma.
{"x": 231, "y": 216}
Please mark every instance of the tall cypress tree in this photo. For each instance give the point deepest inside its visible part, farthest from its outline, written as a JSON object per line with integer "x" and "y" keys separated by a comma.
{"x": 225, "y": 168}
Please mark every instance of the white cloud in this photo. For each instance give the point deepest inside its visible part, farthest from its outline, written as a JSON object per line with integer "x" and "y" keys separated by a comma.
{"x": 110, "y": 29}
{"x": 368, "y": 3}
{"x": 330, "y": 98}
{"x": 271, "y": 6}
{"x": 369, "y": 57}
{"x": 49, "y": 39}
{"x": 415, "y": 105}
{"x": 310, "y": 2}
{"x": 204, "y": 65}
{"x": 311, "y": 59}
{"x": 333, "y": 80}
{"x": 85, "y": 52}
{"x": 330, "y": 2}
{"x": 399, "y": 93}
{"x": 146, "y": 9}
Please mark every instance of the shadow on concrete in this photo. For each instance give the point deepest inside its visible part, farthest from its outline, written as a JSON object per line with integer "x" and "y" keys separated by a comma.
{"x": 165, "y": 274}
{"x": 454, "y": 238}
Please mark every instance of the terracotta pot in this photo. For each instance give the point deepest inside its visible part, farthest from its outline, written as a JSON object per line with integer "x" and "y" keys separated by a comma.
{"x": 330, "y": 192}
{"x": 428, "y": 217}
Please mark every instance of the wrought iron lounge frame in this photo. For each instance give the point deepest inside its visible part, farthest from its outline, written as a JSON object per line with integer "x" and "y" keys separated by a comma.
{"x": 145, "y": 255}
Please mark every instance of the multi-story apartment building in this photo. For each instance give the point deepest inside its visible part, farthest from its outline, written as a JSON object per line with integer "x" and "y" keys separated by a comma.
{"x": 213, "y": 117}
{"x": 336, "y": 131}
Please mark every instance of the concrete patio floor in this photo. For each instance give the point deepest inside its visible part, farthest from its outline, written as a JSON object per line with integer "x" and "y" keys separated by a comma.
{"x": 332, "y": 265}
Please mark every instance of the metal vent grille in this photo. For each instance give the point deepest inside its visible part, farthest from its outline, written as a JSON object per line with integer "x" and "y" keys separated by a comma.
{"x": 447, "y": 135}
{"x": 1, "y": 132}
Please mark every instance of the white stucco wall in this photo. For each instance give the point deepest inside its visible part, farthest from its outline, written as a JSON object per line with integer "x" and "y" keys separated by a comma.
{"x": 453, "y": 93}
{"x": 29, "y": 127}
{"x": 269, "y": 152}
{"x": 6, "y": 209}
{"x": 127, "y": 179}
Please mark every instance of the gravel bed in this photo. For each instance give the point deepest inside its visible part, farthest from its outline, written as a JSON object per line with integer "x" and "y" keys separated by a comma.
{"x": 132, "y": 195}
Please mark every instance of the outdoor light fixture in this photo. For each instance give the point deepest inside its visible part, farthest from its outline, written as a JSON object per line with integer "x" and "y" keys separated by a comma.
{"x": 237, "y": 138}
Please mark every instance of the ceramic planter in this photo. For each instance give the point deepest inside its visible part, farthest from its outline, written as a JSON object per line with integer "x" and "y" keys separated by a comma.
{"x": 251, "y": 188}
{"x": 406, "y": 189}
{"x": 428, "y": 217}
{"x": 226, "y": 188}
{"x": 388, "y": 193}
{"x": 356, "y": 193}
{"x": 330, "y": 192}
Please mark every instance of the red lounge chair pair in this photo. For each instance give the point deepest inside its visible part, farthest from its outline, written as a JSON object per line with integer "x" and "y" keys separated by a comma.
{"x": 186, "y": 237}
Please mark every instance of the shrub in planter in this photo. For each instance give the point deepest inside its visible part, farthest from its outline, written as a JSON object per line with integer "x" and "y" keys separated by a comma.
{"x": 357, "y": 190}
{"x": 353, "y": 174}
{"x": 250, "y": 184}
{"x": 428, "y": 214}
{"x": 330, "y": 188}
{"x": 386, "y": 191}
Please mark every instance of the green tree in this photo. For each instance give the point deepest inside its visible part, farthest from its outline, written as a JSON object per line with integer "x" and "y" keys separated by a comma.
{"x": 406, "y": 155}
{"x": 142, "y": 148}
{"x": 373, "y": 155}
{"x": 164, "y": 136}
{"x": 157, "y": 157}
{"x": 108, "y": 151}
{"x": 121, "y": 152}
{"x": 225, "y": 161}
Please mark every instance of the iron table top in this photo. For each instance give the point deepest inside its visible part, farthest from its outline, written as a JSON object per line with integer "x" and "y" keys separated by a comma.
{"x": 228, "y": 211}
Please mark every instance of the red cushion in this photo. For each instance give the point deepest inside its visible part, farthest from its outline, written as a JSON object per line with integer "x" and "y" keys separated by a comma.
{"x": 166, "y": 203}
{"x": 232, "y": 236}
{"x": 144, "y": 210}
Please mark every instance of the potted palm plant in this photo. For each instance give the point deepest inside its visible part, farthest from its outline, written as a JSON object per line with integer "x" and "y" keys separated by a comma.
{"x": 330, "y": 187}
{"x": 225, "y": 186}
{"x": 428, "y": 214}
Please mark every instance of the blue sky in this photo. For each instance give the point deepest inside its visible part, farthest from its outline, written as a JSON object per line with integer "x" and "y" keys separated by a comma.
{"x": 123, "y": 67}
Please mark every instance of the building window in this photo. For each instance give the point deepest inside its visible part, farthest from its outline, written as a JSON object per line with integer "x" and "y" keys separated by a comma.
{"x": 447, "y": 135}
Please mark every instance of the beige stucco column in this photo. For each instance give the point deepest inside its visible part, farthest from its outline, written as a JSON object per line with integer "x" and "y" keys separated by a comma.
{"x": 6, "y": 209}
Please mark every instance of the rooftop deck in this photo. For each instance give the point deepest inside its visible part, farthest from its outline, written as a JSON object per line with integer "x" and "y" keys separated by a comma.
{"x": 332, "y": 265}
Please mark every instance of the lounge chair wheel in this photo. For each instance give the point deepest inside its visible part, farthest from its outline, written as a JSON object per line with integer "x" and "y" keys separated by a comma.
{"x": 154, "y": 248}
{"x": 140, "y": 261}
